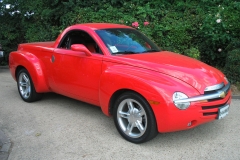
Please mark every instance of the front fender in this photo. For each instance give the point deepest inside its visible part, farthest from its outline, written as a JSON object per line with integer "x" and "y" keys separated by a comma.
{"x": 156, "y": 88}
{"x": 33, "y": 65}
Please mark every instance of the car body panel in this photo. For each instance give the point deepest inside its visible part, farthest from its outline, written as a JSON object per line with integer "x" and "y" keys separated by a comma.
{"x": 76, "y": 74}
{"x": 194, "y": 72}
{"x": 34, "y": 66}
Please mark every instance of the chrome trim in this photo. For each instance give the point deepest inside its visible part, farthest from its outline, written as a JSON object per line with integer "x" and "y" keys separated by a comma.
{"x": 217, "y": 94}
{"x": 215, "y": 87}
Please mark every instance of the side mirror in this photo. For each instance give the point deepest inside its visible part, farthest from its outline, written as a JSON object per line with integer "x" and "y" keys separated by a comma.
{"x": 81, "y": 48}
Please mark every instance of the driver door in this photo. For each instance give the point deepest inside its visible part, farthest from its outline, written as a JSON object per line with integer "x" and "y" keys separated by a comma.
{"x": 77, "y": 75}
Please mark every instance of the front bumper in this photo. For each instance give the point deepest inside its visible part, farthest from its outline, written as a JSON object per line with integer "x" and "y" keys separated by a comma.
{"x": 203, "y": 109}
{"x": 219, "y": 91}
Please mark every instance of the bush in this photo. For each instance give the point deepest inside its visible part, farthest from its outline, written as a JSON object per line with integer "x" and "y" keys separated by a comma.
{"x": 219, "y": 27}
{"x": 232, "y": 67}
{"x": 193, "y": 52}
{"x": 199, "y": 28}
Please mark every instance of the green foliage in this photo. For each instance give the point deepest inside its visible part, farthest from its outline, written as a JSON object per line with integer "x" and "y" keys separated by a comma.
{"x": 219, "y": 27}
{"x": 193, "y": 52}
{"x": 201, "y": 29}
{"x": 232, "y": 67}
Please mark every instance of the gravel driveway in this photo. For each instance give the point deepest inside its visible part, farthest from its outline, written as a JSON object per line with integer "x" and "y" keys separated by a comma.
{"x": 60, "y": 128}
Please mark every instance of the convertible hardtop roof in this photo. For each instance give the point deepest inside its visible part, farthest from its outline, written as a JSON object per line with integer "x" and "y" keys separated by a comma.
{"x": 95, "y": 26}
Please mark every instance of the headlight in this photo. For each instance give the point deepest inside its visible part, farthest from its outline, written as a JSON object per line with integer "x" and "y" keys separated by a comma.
{"x": 178, "y": 96}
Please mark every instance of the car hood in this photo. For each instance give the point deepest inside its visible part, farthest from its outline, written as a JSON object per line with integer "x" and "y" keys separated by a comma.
{"x": 195, "y": 73}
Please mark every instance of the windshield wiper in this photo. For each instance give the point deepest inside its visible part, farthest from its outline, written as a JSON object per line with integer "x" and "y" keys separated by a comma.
{"x": 125, "y": 52}
{"x": 150, "y": 50}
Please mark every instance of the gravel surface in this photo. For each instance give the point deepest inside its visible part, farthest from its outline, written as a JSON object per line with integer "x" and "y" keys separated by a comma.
{"x": 58, "y": 127}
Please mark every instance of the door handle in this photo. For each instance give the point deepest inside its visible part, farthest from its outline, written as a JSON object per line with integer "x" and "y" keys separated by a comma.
{"x": 53, "y": 58}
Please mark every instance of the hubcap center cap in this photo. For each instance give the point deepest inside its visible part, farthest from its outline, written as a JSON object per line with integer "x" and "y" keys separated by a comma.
{"x": 134, "y": 116}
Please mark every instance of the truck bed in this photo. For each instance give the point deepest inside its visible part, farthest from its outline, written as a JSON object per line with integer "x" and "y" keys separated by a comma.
{"x": 37, "y": 46}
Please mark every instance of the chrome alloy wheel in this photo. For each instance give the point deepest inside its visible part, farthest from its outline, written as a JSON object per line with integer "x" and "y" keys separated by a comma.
{"x": 24, "y": 85}
{"x": 132, "y": 118}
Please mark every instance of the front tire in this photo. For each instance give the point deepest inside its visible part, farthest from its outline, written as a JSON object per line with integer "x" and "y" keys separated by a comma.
{"x": 134, "y": 119}
{"x": 26, "y": 88}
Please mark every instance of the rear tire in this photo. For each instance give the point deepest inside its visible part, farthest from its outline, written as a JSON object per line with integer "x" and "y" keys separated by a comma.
{"x": 26, "y": 88}
{"x": 134, "y": 118}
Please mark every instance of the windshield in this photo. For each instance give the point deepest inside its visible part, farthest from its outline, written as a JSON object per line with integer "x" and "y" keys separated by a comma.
{"x": 126, "y": 41}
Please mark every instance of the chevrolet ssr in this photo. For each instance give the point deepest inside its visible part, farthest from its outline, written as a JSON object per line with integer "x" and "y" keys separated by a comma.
{"x": 119, "y": 69}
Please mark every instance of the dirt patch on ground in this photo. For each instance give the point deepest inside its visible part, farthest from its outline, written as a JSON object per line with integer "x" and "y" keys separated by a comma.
{"x": 235, "y": 90}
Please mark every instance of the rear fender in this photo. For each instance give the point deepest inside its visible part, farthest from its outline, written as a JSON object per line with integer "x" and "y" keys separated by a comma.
{"x": 33, "y": 65}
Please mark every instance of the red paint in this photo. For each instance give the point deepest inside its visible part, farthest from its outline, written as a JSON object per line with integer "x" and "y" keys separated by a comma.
{"x": 94, "y": 78}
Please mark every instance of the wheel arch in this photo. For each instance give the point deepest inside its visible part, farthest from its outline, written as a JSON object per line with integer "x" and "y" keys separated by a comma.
{"x": 18, "y": 69}
{"x": 116, "y": 94}
{"x": 33, "y": 65}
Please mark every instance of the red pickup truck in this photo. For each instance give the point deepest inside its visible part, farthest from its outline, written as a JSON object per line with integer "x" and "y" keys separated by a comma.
{"x": 119, "y": 69}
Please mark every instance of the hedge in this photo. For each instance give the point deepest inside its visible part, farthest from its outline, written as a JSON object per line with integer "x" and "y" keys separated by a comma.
{"x": 202, "y": 29}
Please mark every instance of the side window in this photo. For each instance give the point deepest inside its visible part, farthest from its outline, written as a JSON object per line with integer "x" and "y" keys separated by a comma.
{"x": 79, "y": 37}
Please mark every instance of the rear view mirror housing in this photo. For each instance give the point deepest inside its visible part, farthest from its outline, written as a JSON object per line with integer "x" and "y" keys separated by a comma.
{"x": 81, "y": 48}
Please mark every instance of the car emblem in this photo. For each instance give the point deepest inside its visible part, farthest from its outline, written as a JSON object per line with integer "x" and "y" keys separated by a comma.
{"x": 222, "y": 94}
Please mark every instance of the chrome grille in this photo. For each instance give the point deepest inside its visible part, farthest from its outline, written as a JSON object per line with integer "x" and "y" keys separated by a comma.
{"x": 213, "y": 110}
{"x": 213, "y": 107}
{"x": 215, "y": 89}
{"x": 210, "y": 95}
